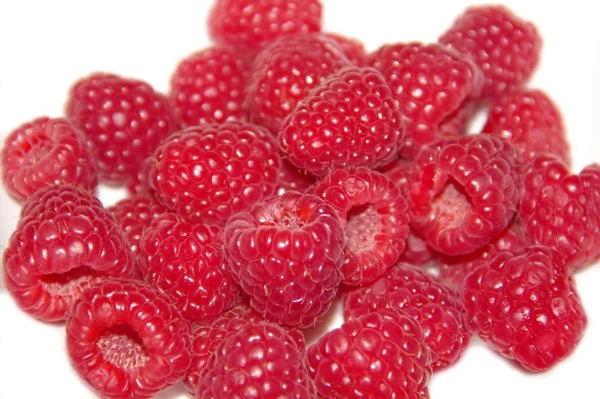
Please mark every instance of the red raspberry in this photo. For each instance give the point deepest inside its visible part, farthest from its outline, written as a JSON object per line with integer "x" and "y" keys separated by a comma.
{"x": 531, "y": 120}
{"x": 64, "y": 242}
{"x": 430, "y": 82}
{"x": 250, "y": 24}
{"x": 457, "y": 124}
{"x": 123, "y": 121}
{"x": 433, "y": 305}
{"x": 352, "y": 48}
{"x": 464, "y": 191}
{"x": 562, "y": 210}
{"x": 350, "y": 120}
{"x": 209, "y": 87}
{"x": 139, "y": 182}
{"x": 455, "y": 269}
{"x": 260, "y": 360}
{"x": 127, "y": 341}
{"x": 505, "y": 47}
{"x": 186, "y": 262}
{"x": 208, "y": 173}
{"x": 525, "y": 307}
{"x": 287, "y": 253}
{"x": 293, "y": 179}
{"x": 285, "y": 71}
{"x": 378, "y": 355}
{"x": 45, "y": 152}
{"x": 374, "y": 215}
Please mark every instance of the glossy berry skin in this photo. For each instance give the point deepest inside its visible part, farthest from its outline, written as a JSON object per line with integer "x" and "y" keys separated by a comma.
{"x": 208, "y": 173}
{"x": 287, "y": 254}
{"x": 284, "y": 73}
{"x": 525, "y": 307}
{"x": 350, "y": 120}
{"x": 532, "y": 121}
{"x": 352, "y": 48}
{"x": 127, "y": 341}
{"x": 46, "y": 152}
{"x": 293, "y": 179}
{"x": 209, "y": 86}
{"x": 123, "y": 121}
{"x": 250, "y": 24}
{"x": 430, "y": 83}
{"x": 64, "y": 242}
{"x": 374, "y": 215}
{"x": 464, "y": 191}
{"x": 260, "y": 360}
{"x": 436, "y": 308}
{"x": 377, "y": 355}
{"x": 504, "y": 46}
{"x": 562, "y": 210}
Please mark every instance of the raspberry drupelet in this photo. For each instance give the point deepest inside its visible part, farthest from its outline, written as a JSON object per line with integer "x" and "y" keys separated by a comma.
{"x": 46, "y": 152}
{"x": 287, "y": 254}
{"x": 127, "y": 341}
{"x": 464, "y": 191}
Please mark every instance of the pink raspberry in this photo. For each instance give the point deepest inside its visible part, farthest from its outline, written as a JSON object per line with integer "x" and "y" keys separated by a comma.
{"x": 374, "y": 215}
{"x": 350, "y": 120}
{"x": 127, "y": 341}
{"x": 287, "y": 254}
{"x": 525, "y": 307}
{"x": 46, "y": 152}
{"x": 434, "y": 306}
{"x": 352, "y": 48}
{"x": 208, "y": 173}
{"x": 431, "y": 83}
{"x": 123, "y": 121}
{"x": 464, "y": 191}
{"x": 504, "y": 46}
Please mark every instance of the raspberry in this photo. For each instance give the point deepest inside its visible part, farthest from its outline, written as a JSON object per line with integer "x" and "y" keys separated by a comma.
{"x": 127, "y": 341}
{"x": 139, "y": 182}
{"x": 562, "y": 210}
{"x": 433, "y": 305}
{"x": 208, "y": 173}
{"x": 505, "y": 47}
{"x": 531, "y": 120}
{"x": 350, "y": 120}
{"x": 375, "y": 217}
{"x": 378, "y": 355}
{"x": 64, "y": 242}
{"x": 45, "y": 152}
{"x": 186, "y": 262}
{"x": 352, "y": 48}
{"x": 464, "y": 191}
{"x": 525, "y": 307}
{"x": 430, "y": 83}
{"x": 287, "y": 253}
{"x": 457, "y": 124}
{"x": 209, "y": 87}
{"x": 123, "y": 121}
{"x": 284, "y": 73}
{"x": 250, "y": 24}
{"x": 293, "y": 179}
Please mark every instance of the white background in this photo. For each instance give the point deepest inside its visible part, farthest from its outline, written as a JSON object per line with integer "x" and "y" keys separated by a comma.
{"x": 46, "y": 45}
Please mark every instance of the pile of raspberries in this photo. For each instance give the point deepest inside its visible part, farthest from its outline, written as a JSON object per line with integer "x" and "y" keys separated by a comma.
{"x": 287, "y": 168}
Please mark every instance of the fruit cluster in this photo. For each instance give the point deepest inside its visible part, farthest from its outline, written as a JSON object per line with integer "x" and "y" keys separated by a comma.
{"x": 287, "y": 167}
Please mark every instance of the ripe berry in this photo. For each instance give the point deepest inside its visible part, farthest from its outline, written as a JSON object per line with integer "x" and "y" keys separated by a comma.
{"x": 430, "y": 83}
{"x": 123, "y": 121}
{"x": 46, "y": 152}
{"x": 352, "y": 48}
{"x": 531, "y": 121}
{"x": 525, "y": 307}
{"x": 464, "y": 191}
{"x": 250, "y": 24}
{"x": 208, "y": 173}
{"x": 186, "y": 262}
{"x": 434, "y": 306}
{"x": 139, "y": 182}
{"x": 377, "y": 355}
{"x": 350, "y": 120}
{"x": 287, "y": 253}
{"x": 127, "y": 341}
{"x": 64, "y": 242}
{"x": 504, "y": 46}
{"x": 209, "y": 87}
{"x": 285, "y": 71}
{"x": 293, "y": 179}
{"x": 374, "y": 215}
